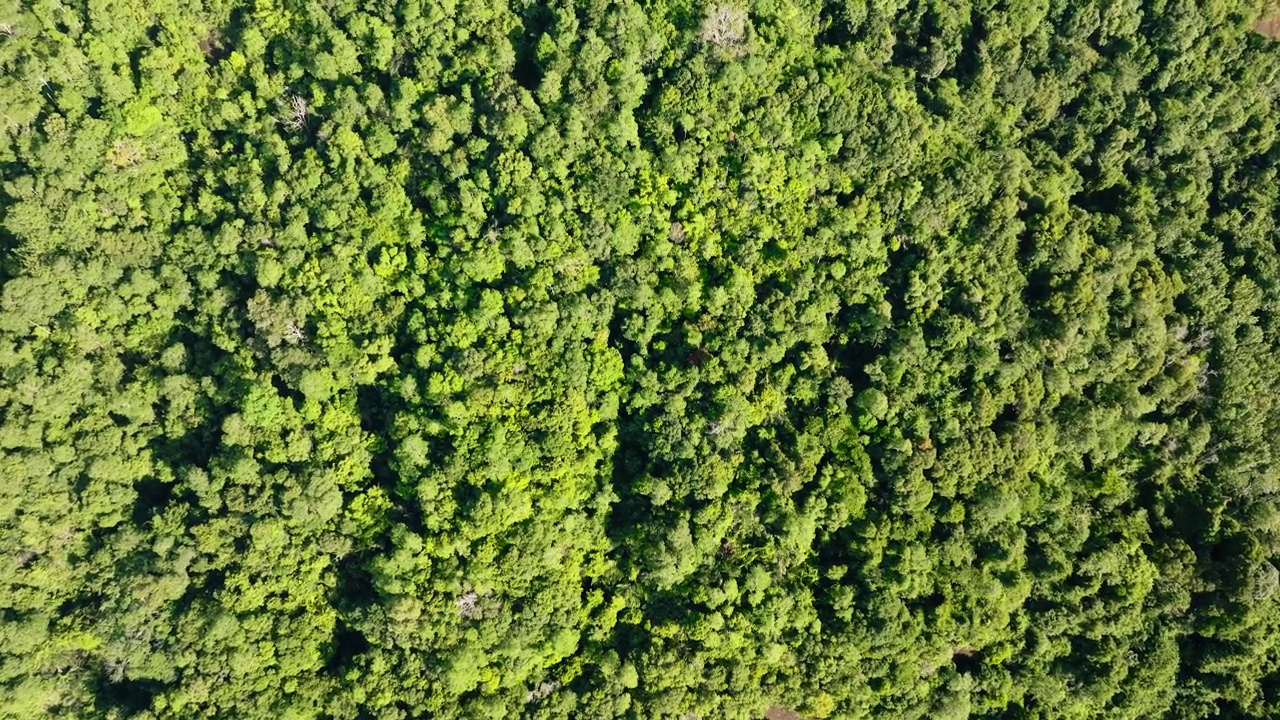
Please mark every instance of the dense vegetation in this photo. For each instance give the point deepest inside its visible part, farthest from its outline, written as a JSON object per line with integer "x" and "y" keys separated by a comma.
{"x": 439, "y": 359}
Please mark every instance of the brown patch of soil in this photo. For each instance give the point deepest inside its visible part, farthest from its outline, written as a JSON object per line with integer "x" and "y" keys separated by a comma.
{"x": 1269, "y": 25}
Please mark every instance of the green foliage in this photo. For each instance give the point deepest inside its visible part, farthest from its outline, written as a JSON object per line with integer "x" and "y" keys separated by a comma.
{"x": 611, "y": 360}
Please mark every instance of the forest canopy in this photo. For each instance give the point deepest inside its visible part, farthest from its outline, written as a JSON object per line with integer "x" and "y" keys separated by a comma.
{"x": 481, "y": 359}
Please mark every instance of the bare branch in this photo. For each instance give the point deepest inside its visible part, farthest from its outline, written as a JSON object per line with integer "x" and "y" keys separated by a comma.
{"x": 467, "y": 604}
{"x": 724, "y": 26}
{"x": 298, "y": 112}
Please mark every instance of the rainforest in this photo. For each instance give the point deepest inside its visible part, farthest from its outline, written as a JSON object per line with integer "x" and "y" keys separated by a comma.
{"x": 639, "y": 359}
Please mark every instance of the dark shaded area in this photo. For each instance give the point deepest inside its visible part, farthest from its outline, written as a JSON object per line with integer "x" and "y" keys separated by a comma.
{"x": 127, "y": 696}
{"x": 153, "y": 496}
